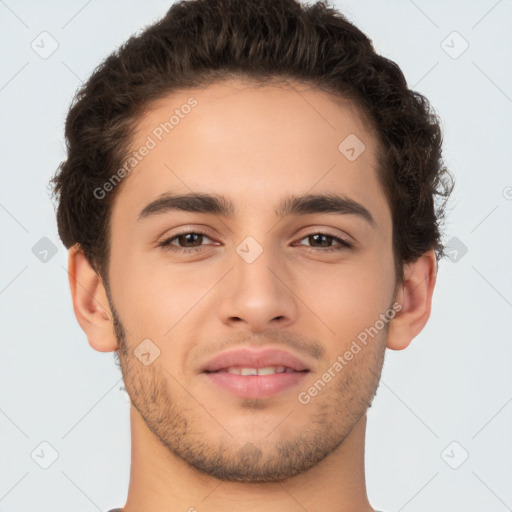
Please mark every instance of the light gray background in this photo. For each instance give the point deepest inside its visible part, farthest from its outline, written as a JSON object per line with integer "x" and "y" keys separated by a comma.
{"x": 453, "y": 384}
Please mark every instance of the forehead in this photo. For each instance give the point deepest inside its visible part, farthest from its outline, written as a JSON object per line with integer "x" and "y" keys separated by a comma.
{"x": 252, "y": 142}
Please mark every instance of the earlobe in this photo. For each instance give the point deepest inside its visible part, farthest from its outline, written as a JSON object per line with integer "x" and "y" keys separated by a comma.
{"x": 90, "y": 302}
{"x": 415, "y": 297}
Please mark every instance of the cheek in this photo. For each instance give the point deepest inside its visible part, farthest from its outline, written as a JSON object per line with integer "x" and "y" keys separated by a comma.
{"x": 143, "y": 296}
{"x": 155, "y": 304}
{"x": 347, "y": 298}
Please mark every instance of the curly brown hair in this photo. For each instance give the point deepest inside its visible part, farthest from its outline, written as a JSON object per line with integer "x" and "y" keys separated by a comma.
{"x": 199, "y": 42}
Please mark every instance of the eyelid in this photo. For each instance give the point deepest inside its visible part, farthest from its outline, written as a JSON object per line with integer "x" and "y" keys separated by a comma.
{"x": 324, "y": 230}
{"x": 183, "y": 230}
{"x": 315, "y": 227}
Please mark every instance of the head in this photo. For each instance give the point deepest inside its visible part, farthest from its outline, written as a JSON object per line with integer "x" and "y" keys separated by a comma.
{"x": 258, "y": 102}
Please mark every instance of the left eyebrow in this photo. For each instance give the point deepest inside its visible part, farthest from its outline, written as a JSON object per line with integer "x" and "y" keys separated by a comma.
{"x": 291, "y": 205}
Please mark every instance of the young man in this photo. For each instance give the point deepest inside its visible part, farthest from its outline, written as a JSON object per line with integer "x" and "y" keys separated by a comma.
{"x": 249, "y": 206}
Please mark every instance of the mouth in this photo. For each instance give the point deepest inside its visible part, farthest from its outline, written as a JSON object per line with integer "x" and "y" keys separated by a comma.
{"x": 247, "y": 371}
{"x": 255, "y": 374}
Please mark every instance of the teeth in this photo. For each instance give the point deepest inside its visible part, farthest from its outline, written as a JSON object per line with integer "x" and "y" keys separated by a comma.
{"x": 269, "y": 370}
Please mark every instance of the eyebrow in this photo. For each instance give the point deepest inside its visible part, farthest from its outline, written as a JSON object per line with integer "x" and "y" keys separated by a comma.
{"x": 291, "y": 205}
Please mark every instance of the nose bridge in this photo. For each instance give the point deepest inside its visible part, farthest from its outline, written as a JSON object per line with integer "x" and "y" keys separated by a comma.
{"x": 253, "y": 265}
{"x": 255, "y": 292}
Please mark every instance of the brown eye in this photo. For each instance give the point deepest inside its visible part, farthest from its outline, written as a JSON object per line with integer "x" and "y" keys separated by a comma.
{"x": 191, "y": 241}
{"x": 189, "y": 238}
{"x": 325, "y": 242}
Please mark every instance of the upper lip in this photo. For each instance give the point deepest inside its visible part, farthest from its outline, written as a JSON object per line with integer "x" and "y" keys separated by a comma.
{"x": 250, "y": 358}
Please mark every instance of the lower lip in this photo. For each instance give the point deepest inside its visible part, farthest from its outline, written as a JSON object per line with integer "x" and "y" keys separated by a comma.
{"x": 255, "y": 386}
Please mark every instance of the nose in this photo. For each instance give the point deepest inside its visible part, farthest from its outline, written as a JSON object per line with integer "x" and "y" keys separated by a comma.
{"x": 258, "y": 295}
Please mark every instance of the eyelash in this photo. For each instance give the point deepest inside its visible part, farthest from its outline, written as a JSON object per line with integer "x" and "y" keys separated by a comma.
{"x": 167, "y": 246}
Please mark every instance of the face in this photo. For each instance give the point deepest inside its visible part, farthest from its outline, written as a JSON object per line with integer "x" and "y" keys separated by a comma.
{"x": 195, "y": 280}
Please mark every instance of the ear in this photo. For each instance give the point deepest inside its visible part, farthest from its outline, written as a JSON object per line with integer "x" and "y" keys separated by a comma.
{"x": 90, "y": 302}
{"x": 415, "y": 296}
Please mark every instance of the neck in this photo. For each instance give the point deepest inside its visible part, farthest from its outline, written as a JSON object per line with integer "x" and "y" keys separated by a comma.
{"x": 160, "y": 481}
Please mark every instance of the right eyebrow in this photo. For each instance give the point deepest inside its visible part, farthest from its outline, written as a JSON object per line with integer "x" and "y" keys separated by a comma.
{"x": 200, "y": 203}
